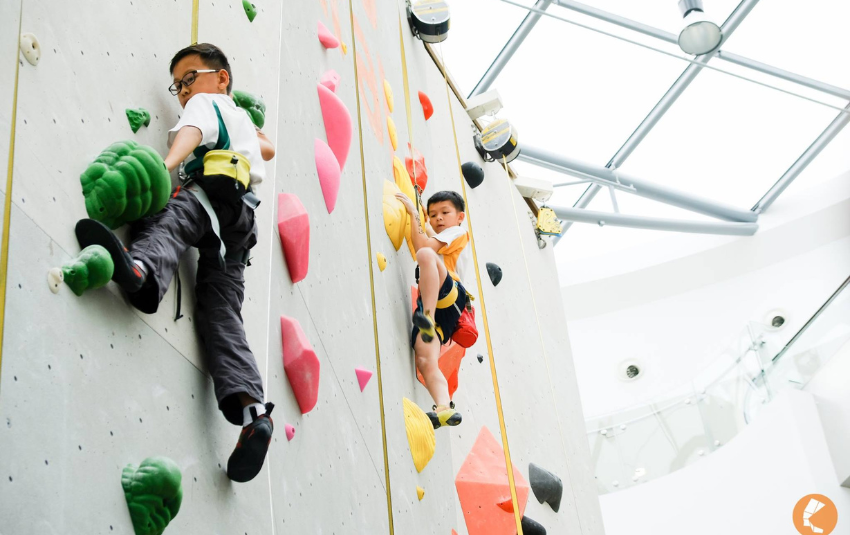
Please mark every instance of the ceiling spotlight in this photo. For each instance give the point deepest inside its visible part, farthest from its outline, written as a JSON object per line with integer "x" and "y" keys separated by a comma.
{"x": 699, "y": 35}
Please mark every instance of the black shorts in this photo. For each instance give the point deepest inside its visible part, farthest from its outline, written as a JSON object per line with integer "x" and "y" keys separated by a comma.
{"x": 445, "y": 318}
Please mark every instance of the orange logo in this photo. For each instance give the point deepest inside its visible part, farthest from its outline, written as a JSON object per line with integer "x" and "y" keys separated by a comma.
{"x": 815, "y": 514}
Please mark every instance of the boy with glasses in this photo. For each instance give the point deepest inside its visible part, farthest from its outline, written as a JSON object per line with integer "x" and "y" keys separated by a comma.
{"x": 214, "y": 212}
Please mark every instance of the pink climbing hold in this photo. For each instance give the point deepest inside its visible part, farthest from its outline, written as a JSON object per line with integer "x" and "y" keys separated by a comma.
{"x": 427, "y": 107}
{"x": 290, "y": 432}
{"x": 327, "y": 38}
{"x": 337, "y": 124}
{"x": 293, "y": 225}
{"x": 363, "y": 377}
{"x": 328, "y": 169}
{"x": 300, "y": 363}
{"x": 330, "y": 80}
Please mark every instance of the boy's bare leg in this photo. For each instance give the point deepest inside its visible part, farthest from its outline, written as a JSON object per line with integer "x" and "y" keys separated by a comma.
{"x": 427, "y": 362}
{"x": 245, "y": 399}
{"x": 432, "y": 274}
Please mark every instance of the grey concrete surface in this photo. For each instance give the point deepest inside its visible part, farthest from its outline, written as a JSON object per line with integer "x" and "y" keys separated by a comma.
{"x": 88, "y": 385}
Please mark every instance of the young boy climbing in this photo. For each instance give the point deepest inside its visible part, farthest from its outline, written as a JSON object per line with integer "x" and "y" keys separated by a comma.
{"x": 213, "y": 210}
{"x": 442, "y": 298}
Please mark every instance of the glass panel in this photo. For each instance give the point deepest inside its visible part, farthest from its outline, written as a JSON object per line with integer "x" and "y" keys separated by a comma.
{"x": 641, "y": 443}
{"x": 588, "y": 97}
{"x": 728, "y": 140}
{"x": 808, "y": 38}
{"x": 479, "y": 31}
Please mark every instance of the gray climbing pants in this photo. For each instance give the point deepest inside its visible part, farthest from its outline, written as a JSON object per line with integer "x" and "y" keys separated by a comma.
{"x": 159, "y": 241}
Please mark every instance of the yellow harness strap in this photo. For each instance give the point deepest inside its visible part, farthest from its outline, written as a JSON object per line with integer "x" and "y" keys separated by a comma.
{"x": 228, "y": 163}
{"x": 450, "y": 299}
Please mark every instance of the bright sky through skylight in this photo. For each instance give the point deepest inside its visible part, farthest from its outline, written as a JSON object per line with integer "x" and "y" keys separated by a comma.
{"x": 574, "y": 92}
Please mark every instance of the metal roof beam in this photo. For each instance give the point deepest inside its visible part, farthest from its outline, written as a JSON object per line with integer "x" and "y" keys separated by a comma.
{"x": 652, "y": 223}
{"x": 803, "y": 161}
{"x": 669, "y": 98}
{"x": 637, "y": 186}
{"x": 510, "y": 47}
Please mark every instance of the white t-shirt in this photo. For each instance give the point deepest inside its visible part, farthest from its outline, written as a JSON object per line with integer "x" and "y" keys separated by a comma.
{"x": 199, "y": 112}
{"x": 448, "y": 236}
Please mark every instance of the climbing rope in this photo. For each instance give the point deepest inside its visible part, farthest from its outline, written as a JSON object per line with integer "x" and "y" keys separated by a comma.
{"x": 508, "y": 463}
{"x": 511, "y": 189}
{"x": 7, "y": 204}
{"x": 371, "y": 271}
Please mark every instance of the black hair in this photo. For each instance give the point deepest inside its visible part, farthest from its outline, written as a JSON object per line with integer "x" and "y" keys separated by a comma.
{"x": 448, "y": 195}
{"x": 212, "y": 56}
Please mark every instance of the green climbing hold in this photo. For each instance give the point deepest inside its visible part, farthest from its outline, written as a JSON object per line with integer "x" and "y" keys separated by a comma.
{"x": 91, "y": 269}
{"x": 250, "y": 10}
{"x": 138, "y": 118}
{"x": 126, "y": 182}
{"x": 153, "y": 494}
{"x": 254, "y": 105}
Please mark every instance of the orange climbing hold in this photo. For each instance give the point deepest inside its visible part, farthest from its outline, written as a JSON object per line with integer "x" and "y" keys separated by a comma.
{"x": 427, "y": 107}
{"x": 293, "y": 225}
{"x": 300, "y": 364}
{"x": 482, "y": 485}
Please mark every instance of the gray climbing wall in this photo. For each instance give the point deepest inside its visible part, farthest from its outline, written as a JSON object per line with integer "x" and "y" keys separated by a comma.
{"x": 89, "y": 385}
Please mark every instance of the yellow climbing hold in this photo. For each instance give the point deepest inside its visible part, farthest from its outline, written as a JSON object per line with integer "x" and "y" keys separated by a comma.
{"x": 420, "y": 492}
{"x": 395, "y": 215}
{"x": 382, "y": 262}
{"x": 402, "y": 180}
{"x": 393, "y": 134}
{"x": 547, "y": 222}
{"x": 343, "y": 47}
{"x": 420, "y": 434}
{"x": 388, "y": 94}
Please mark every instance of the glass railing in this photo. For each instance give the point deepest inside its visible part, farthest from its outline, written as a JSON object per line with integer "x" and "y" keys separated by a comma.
{"x": 636, "y": 445}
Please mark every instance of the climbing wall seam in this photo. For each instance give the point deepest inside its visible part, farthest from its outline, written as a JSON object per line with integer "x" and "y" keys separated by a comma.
{"x": 7, "y": 202}
{"x": 195, "y": 15}
{"x": 500, "y": 412}
{"x": 371, "y": 270}
{"x": 539, "y": 330}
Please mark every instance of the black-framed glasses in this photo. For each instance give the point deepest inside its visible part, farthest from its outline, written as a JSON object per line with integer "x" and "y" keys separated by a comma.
{"x": 187, "y": 80}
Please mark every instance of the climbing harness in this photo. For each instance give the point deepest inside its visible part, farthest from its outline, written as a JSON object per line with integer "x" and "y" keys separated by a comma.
{"x": 224, "y": 175}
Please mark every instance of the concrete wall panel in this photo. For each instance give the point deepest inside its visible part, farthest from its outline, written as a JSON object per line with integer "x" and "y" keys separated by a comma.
{"x": 330, "y": 478}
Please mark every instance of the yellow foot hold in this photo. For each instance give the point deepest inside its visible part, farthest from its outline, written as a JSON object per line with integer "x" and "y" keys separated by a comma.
{"x": 420, "y": 492}
{"x": 420, "y": 434}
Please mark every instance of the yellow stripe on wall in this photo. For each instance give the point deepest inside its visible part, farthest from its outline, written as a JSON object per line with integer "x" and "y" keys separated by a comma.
{"x": 7, "y": 204}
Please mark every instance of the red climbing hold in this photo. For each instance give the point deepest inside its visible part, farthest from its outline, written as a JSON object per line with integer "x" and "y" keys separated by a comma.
{"x": 482, "y": 485}
{"x": 337, "y": 124}
{"x": 418, "y": 172}
{"x": 293, "y": 225}
{"x": 328, "y": 169}
{"x": 300, "y": 363}
{"x": 427, "y": 107}
{"x": 327, "y": 38}
{"x": 290, "y": 431}
{"x": 363, "y": 376}
{"x": 330, "y": 80}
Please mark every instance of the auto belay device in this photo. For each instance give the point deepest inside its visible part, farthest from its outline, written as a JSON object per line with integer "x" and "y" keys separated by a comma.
{"x": 429, "y": 20}
{"x": 498, "y": 142}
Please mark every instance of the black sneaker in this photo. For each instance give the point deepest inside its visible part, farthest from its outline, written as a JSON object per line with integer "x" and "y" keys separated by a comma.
{"x": 448, "y": 416}
{"x": 246, "y": 461}
{"x": 127, "y": 274}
